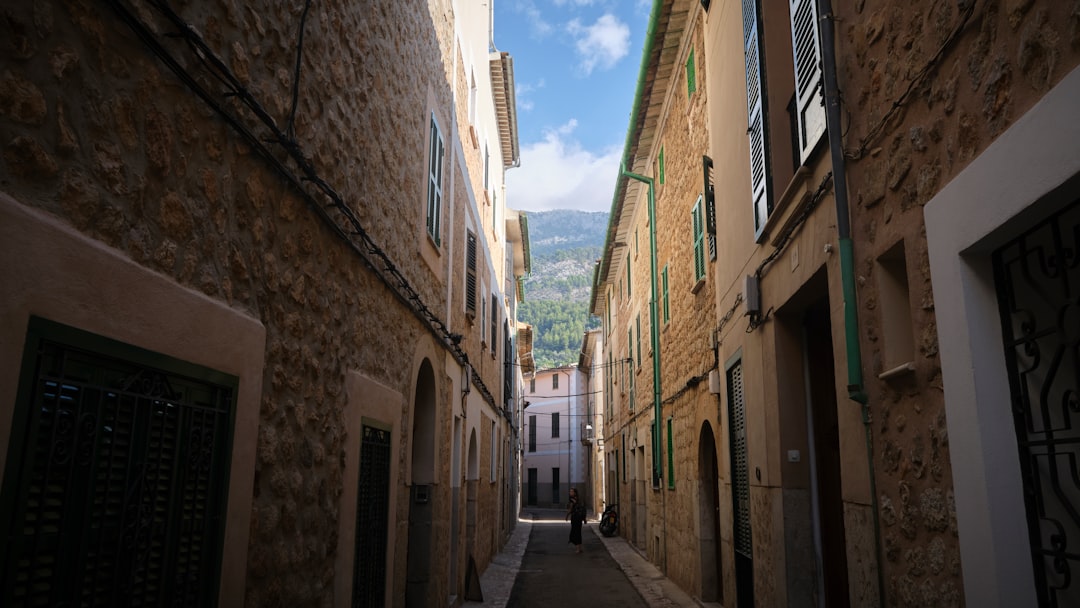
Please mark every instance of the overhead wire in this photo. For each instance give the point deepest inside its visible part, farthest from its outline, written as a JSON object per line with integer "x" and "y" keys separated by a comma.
{"x": 334, "y": 212}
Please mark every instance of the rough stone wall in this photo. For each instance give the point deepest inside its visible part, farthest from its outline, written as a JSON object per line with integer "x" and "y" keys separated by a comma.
{"x": 1006, "y": 56}
{"x": 686, "y": 340}
{"x": 96, "y": 131}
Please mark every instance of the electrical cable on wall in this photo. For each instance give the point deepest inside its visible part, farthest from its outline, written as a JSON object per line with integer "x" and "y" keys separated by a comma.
{"x": 345, "y": 224}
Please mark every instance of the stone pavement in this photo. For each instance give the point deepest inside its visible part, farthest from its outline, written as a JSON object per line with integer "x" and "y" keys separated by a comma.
{"x": 497, "y": 581}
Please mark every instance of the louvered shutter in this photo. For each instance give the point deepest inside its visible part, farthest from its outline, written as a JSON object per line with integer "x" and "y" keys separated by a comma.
{"x": 755, "y": 105}
{"x": 435, "y": 167}
{"x": 699, "y": 243}
{"x": 470, "y": 274}
{"x": 494, "y": 321}
{"x": 806, "y": 47}
{"x": 710, "y": 205}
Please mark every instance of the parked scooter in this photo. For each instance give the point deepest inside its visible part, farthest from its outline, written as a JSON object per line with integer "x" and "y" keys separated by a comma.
{"x": 609, "y": 521}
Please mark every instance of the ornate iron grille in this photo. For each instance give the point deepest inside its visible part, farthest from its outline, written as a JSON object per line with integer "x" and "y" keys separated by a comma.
{"x": 1038, "y": 284}
{"x": 372, "y": 519}
{"x": 115, "y": 489}
{"x": 740, "y": 487}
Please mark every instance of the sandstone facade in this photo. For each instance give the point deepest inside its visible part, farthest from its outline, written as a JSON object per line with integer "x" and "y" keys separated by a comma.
{"x": 114, "y": 167}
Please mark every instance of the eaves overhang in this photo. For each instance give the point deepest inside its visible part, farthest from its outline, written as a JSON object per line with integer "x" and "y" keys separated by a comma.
{"x": 659, "y": 65}
{"x": 502, "y": 88}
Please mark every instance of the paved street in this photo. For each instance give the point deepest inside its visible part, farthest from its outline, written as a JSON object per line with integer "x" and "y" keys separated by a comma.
{"x": 538, "y": 568}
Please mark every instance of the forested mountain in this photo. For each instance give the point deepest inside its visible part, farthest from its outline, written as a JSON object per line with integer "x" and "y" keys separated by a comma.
{"x": 565, "y": 246}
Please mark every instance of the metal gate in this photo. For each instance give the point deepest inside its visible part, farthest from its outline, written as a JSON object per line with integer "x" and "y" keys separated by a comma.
{"x": 372, "y": 519}
{"x": 114, "y": 493}
{"x": 740, "y": 488}
{"x": 1038, "y": 282}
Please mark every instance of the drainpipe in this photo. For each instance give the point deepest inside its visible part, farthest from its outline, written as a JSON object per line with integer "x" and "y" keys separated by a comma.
{"x": 654, "y": 333}
{"x": 856, "y": 390}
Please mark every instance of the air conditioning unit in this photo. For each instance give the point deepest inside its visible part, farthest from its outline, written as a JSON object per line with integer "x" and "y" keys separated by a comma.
{"x": 752, "y": 295}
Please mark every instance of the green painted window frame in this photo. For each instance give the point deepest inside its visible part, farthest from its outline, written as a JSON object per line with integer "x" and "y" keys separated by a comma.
{"x": 629, "y": 275}
{"x": 638, "y": 321}
{"x": 660, "y": 166}
{"x": 670, "y": 458}
{"x": 664, "y": 285}
{"x": 699, "y": 240}
{"x": 691, "y": 74}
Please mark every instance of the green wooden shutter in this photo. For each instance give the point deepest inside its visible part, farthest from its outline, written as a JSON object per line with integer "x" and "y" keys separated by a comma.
{"x": 629, "y": 274}
{"x": 660, "y": 165}
{"x": 639, "y": 341}
{"x": 756, "y": 111}
{"x": 664, "y": 280}
{"x": 670, "y": 457}
{"x": 699, "y": 241}
{"x": 691, "y": 74}
{"x": 806, "y": 47}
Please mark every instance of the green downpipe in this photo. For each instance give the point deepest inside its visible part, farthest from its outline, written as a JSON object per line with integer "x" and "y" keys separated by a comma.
{"x": 856, "y": 390}
{"x": 654, "y": 332}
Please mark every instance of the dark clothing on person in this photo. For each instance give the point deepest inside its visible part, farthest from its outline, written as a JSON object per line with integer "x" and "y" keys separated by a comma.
{"x": 577, "y": 517}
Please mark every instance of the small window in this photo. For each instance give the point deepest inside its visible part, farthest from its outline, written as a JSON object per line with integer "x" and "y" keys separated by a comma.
{"x": 532, "y": 385}
{"x": 532, "y": 433}
{"x": 436, "y": 151}
{"x": 699, "y": 241}
{"x": 470, "y": 274}
{"x": 691, "y": 74}
{"x": 555, "y": 424}
{"x": 660, "y": 166}
{"x": 664, "y": 287}
{"x": 494, "y": 451}
{"x": 639, "y": 341}
{"x": 898, "y": 337}
{"x": 555, "y": 381}
{"x": 494, "y": 321}
{"x": 670, "y": 458}
{"x": 629, "y": 274}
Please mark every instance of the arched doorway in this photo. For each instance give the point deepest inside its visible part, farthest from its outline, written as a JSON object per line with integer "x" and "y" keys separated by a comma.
{"x": 712, "y": 582}
{"x": 418, "y": 577}
{"x": 472, "y": 486}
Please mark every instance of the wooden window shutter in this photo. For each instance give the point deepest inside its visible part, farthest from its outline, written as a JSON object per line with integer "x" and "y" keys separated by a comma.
{"x": 494, "y": 321}
{"x": 699, "y": 242}
{"x": 755, "y": 105}
{"x": 664, "y": 282}
{"x": 691, "y": 74}
{"x": 470, "y": 274}
{"x": 710, "y": 205}
{"x": 806, "y": 47}
{"x": 436, "y": 152}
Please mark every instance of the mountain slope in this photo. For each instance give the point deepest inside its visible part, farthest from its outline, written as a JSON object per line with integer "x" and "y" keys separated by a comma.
{"x": 564, "y": 245}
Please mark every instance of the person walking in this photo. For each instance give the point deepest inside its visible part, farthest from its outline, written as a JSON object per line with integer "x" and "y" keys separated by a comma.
{"x": 575, "y": 512}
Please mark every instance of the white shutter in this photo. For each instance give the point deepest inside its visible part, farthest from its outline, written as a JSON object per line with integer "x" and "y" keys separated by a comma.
{"x": 755, "y": 106}
{"x": 436, "y": 151}
{"x": 806, "y": 47}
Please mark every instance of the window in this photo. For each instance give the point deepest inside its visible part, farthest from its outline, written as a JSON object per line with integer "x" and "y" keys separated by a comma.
{"x": 670, "y": 458}
{"x": 470, "y": 274}
{"x": 709, "y": 192}
{"x": 660, "y": 166}
{"x": 691, "y": 75}
{"x": 699, "y": 241}
{"x": 555, "y": 424}
{"x": 609, "y": 310}
{"x": 805, "y": 119}
{"x": 494, "y": 451}
{"x": 487, "y": 167}
{"x": 436, "y": 150}
{"x": 628, "y": 275}
{"x": 532, "y": 433}
{"x": 635, "y": 242}
{"x": 630, "y": 345}
{"x": 104, "y": 431}
{"x": 555, "y": 381}
{"x": 494, "y": 321}
{"x": 532, "y": 385}
{"x": 639, "y": 340}
{"x": 810, "y": 108}
{"x": 664, "y": 287}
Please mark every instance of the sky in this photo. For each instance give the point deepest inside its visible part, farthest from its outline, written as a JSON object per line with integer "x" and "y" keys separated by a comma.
{"x": 576, "y": 66}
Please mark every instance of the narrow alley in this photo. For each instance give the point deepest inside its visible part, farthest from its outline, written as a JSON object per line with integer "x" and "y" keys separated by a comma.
{"x": 538, "y": 567}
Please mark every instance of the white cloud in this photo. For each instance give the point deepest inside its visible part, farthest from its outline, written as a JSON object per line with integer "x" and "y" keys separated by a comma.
{"x": 558, "y": 173}
{"x": 540, "y": 27}
{"x": 601, "y": 44}
{"x": 523, "y": 92}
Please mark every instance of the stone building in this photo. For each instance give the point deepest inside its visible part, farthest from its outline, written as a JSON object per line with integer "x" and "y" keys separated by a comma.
{"x": 891, "y": 191}
{"x": 554, "y": 438}
{"x": 591, "y": 366}
{"x": 258, "y": 305}
{"x": 655, "y": 293}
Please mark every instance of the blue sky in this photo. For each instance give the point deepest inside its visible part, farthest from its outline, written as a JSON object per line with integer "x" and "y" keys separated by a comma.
{"x": 575, "y": 71}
